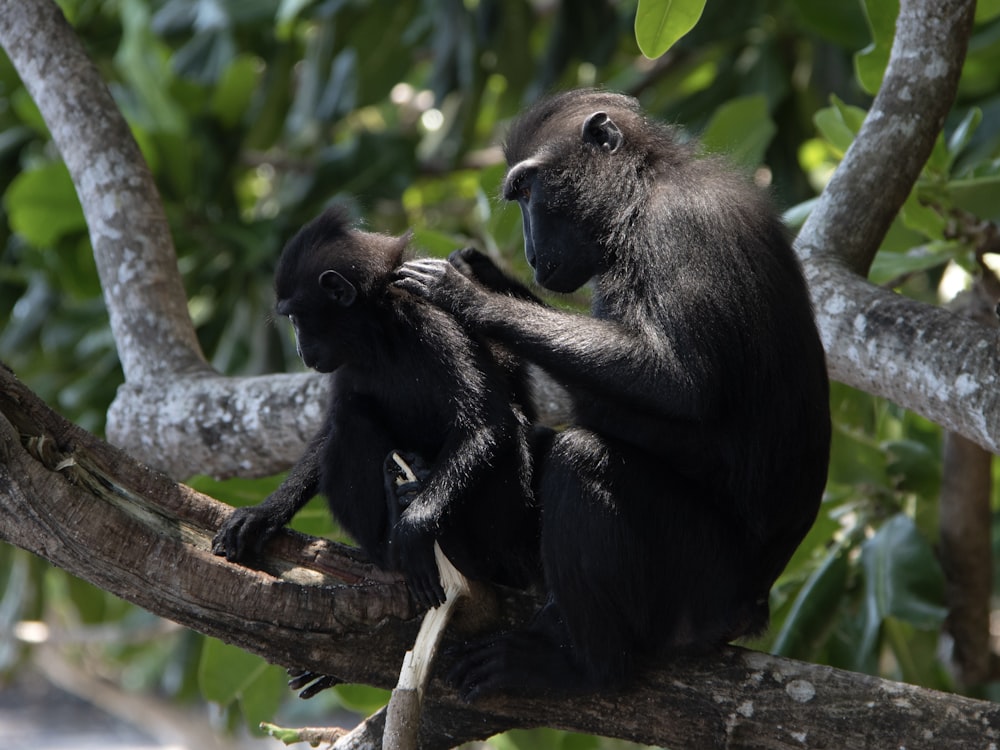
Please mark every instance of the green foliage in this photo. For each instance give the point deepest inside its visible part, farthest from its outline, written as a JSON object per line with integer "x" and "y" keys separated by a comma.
{"x": 229, "y": 675}
{"x": 43, "y": 206}
{"x": 871, "y": 62}
{"x": 253, "y": 115}
{"x": 741, "y": 128}
{"x": 660, "y": 23}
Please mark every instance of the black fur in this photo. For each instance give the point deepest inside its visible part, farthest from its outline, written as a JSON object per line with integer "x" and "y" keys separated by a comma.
{"x": 698, "y": 454}
{"x": 404, "y": 376}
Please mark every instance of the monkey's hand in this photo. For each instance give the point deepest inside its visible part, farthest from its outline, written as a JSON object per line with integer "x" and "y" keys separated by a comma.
{"x": 245, "y": 532}
{"x": 403, "y": 475}
{"x": 440, "y": 283}
{"x": 477, "y": 266}
{"x": 412, "y": 548}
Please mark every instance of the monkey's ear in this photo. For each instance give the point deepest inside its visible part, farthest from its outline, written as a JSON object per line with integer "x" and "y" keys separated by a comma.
{"x": 337, "y": 288}
{"x": 601, "y": 131}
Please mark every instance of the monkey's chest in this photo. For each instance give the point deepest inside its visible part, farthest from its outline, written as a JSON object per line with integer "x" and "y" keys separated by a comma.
{"x": 415, "y": 421}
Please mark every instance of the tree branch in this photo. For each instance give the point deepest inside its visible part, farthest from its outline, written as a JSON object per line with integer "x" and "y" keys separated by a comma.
{"x": 73, "y": 500}
{"x": 921, "y": 357}
{"x": 128, "y": 229}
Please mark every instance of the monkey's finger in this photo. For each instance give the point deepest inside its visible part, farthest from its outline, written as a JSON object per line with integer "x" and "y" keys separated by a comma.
{"x": 416, "y": 287}
{"x": 434, "y": 266}
{"x": 427, "y": 590}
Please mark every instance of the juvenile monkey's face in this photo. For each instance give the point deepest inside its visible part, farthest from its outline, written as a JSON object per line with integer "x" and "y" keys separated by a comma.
{"x": 310, "y": 349}
{"x": 316, "y": 350}
{"x": 316, "y": 310}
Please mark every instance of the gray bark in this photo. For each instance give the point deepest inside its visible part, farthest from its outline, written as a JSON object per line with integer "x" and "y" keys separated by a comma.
{"x": 921, "y": 357}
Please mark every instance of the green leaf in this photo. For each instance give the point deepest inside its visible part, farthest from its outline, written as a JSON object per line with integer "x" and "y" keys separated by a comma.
{"x": 839, "y": 124}
{"x": 987, "y": 10}
{"x": 962, "y": 134}
{"x": 741, "y": 128}
{"x": 923, "y": 218}
{"x": 236, "y": 89}
{"x": 262, "y": 697}
{"x": 237, "y": 491}
{"x": 903, "y": 579}
{"x": 979, "y": 196}
{"x": 225, "y": 671}
{"x": 27, "y": 111}
{"x": 435, "y": 244}
{"x": 43, "y": 206}
{"x": 227, "y": 674}
{"x": 660, "y": 23}
{"x": 854, "y": 459}
{"x": 891, "y": 265}
{"x": 916, "y": 465}
{"x": 141, "y": 61}
{"x": 795, "y": 216}
{"x": 871, "y": 62}
{"x": 841, "y": 23}
{"x": 286, "y": 16}
{"x": 811, "y": 611}
{"x": 363, "y": 699}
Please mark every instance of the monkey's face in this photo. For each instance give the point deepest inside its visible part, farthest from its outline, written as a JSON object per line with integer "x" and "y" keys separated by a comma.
{"x": 314, "y": 313}
{"x": 557, "y": 245}
{"x": 567, "y": 189}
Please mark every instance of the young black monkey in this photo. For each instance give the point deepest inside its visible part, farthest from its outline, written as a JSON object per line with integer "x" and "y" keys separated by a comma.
{"x": 404, "y": 376}
{"x": 698, "y": 453}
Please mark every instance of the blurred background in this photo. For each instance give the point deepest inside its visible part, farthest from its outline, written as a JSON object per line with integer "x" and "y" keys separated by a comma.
{"x": 255, "y": 114}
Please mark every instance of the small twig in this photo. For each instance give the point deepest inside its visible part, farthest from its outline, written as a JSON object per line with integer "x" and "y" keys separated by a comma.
{"x": 402, "y": 716}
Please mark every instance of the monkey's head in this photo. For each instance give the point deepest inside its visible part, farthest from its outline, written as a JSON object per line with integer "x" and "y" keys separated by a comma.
{"x": 329, "y": 282}
{"x": 579, "y": 164}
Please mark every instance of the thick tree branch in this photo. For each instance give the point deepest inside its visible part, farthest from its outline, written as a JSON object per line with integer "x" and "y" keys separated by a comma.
{"x": 91, "y": 510}
{"x": 921, "y": 357}
{"x": 174, "y": 411}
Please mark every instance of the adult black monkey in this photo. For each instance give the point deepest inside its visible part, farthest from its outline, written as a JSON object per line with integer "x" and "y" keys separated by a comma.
{"x": 698, "y": 454}
{"x": 407, "y": 377}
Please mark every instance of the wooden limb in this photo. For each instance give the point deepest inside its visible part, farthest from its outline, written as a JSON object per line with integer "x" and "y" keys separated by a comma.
{"x": 966, "y": 557}
{"x": 318, "y": 606}
{"x": 964, "y": 514}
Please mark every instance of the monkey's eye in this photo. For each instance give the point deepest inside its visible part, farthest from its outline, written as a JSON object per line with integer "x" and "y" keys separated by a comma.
{"x": 520, "y": 181}
{"x": 519, "y": 189}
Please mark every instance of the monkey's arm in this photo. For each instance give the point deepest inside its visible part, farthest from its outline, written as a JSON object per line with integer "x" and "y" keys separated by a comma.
{"x": 248, "y": 529}
{"x": 637, "y": 365}
{"x": 468, "y": 452}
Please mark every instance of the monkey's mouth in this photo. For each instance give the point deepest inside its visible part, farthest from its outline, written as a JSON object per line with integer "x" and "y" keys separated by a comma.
{"x": 547, "y": 276}
{"x": 315, "y": 361}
